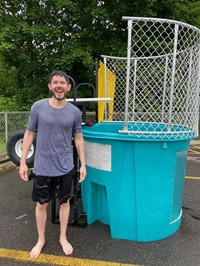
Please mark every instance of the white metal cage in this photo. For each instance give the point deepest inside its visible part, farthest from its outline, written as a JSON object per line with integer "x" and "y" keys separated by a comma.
{"x": 156, "y": 87}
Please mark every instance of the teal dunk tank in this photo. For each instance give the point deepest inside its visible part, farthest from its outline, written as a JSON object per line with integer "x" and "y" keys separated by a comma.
{"x": 136, "y": 155}
{"x": 134, "y": 185}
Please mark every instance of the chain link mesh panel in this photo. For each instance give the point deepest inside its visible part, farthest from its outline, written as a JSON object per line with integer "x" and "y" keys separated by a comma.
{"x": 9, "y": 123}
{"x": 117, "y": 66}
{"x": 157, "y": 85}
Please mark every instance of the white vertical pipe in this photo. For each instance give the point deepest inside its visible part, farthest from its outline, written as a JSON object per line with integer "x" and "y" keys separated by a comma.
{"x": 6, "y": 127}
{"x": 189, "y": 92}
{"x": 164, "y": 89}
{"x": 105, "y": 90}
{"x": 173, "y": 76}
{"x": 134, "y": 87}
{"x": 196, "y": 109}
{"x": 128, "y": 74}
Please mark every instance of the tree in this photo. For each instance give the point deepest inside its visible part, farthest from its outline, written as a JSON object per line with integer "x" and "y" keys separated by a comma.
{"x": 42, "y": 35}
{"x": 36, "y": 39}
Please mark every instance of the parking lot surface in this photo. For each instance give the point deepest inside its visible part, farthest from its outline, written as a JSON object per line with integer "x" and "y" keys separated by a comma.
{"x": 93, "y": 245}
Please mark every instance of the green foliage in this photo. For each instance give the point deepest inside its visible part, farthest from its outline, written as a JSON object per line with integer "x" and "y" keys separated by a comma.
{"x": 8, "y": 104}
{"x": 7, "y": 80}
{"x": 188, "y": 11}
{"x": 37, "y": 37}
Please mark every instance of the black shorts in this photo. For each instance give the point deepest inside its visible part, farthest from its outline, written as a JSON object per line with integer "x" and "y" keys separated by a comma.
{"x": 45, "y": 186}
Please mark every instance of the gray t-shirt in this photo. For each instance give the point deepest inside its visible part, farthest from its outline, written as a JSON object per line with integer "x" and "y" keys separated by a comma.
{"x": 55, "y": 129}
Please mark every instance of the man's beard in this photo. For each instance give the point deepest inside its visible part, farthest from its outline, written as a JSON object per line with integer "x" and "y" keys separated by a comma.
{"x": 59, "y": 98}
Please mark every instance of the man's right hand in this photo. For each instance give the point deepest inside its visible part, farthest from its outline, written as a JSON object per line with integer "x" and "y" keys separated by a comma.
{"x": 23, "y": 172}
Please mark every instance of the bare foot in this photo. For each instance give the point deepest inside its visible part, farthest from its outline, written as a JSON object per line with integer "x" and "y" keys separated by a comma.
{"x": 36, "y": 250}
{"x": 66, "y": 246}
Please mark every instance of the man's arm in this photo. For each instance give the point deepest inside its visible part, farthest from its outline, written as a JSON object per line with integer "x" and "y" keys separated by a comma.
{"x": 27, "y": 142}
{"x": 79, "y": 143}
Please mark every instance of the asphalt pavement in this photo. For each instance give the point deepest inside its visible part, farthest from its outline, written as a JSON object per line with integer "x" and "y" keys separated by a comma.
{"x": 93, "y": 244}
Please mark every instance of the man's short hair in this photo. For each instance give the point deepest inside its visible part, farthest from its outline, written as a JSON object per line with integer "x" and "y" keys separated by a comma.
{"x": 59, "y": 73}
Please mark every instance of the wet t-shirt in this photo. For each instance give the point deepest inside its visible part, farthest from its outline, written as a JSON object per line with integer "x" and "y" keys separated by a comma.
{"x": 55, "y": 128}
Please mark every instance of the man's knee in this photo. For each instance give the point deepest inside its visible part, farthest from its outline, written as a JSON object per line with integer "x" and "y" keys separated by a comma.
{"x": 65, "y": 204}
{"x": 41, "y": 206}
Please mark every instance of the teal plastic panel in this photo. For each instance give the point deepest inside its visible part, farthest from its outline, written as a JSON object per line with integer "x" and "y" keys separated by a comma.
{"x": 139, "y": 190}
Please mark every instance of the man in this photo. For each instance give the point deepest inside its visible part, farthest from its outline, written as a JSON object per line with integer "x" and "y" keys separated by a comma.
{"x": 55, "y": 121}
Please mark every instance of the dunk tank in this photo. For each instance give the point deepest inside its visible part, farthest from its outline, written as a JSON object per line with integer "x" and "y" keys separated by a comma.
{"x": 136, "y": 154}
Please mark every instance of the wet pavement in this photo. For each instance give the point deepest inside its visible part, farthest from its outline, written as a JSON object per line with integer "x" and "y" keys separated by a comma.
{"x": 93, "y": 245}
